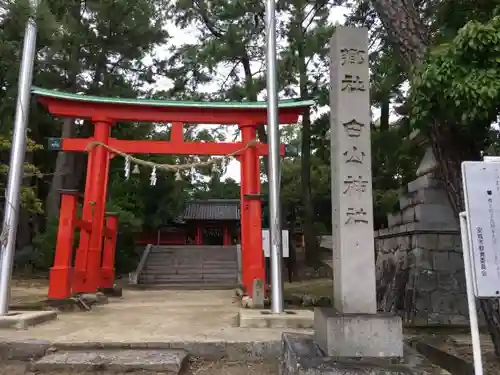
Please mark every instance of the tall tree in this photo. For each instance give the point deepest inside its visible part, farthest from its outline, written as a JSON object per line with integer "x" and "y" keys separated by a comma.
{"x": 307, "y": 32}
{"x": 418, "y": 44}
{"x": 91, "y": 38}
{"x": 230, "y": 35}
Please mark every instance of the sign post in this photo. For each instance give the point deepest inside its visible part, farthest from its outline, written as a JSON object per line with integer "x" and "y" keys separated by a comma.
{"x": 480, "y": 231}
{"x": 471, "y": 298}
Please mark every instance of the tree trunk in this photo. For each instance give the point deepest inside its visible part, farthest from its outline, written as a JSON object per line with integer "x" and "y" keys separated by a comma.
{"x": 311, "y": 245}
{"x": 411, "y": 37}
{"x": 64, "y": 173}
{"x": 65, "y": 176}
{"x": 385, "y": 113}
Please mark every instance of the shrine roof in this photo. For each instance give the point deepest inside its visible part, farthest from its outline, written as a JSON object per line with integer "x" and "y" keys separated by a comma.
{"x": 212, "y": 209}
{"x": 55, "y": 94}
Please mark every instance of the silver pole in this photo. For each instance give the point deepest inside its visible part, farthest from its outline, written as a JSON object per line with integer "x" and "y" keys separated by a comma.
{"x": 16, "y": 168}
{"x": 471, "y": 299}
{"x": 274, "y": 161}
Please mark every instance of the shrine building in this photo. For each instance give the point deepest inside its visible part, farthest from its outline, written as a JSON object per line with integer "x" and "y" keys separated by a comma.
{"x": 210, "y": 222}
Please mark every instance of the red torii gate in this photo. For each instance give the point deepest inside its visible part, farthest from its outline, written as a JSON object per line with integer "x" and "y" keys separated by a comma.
{"x": 95, "y": 256}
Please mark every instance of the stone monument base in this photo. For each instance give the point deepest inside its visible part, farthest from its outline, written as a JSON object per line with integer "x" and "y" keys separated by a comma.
{"x": 301, "y": 356}
{"x": 293, "y": 319}
{"x": 358, "y": 335}
{"x": 26, "y": 319}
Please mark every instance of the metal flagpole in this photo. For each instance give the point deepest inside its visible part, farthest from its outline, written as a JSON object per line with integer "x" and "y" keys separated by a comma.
{"x": 274, "y": 161}
{"x": 16, "y": 168}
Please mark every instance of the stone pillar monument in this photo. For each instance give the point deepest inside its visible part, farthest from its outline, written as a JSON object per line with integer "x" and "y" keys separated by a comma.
{"x": 353, "y": 328}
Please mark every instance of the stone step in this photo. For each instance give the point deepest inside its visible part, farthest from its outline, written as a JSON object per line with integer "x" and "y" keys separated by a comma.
{"x": 428, "y": 213}
{"x": 426, "y": 195}
{"x": 188, "y": 262}
{"x": 191, "y": 286}
{"x": 194, "y": 247}
{"x": 190, "y": 271}
{"x": 194, "y": 253}
{"x": 114, "y": 361}
{"x": 188, "y": 254}
{"x": 191, "y": 256}
{"x": 185, "y": 265}
{"x": 195, "y": 272}
{"x": 189, "y": 282}
{"x": 192, "y": 274}
{"x": 186, "y": 249}
{"x": 185, "y": 278}
{"x": 191, "y": 252}
{"x": 220, "y": 276}
{"x": 215, "y": 271}
{"x": 155, "y": 263}
{"x": 193, "y": 267}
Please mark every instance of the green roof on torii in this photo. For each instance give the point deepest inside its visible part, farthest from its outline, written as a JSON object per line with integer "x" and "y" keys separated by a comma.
{"x": 290, "y": 103}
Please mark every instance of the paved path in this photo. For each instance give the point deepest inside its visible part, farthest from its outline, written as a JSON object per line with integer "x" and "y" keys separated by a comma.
{"x": 154, "y": 317}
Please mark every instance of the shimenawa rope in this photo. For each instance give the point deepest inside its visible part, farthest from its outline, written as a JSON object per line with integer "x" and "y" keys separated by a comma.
{"x": 166, "y": 167}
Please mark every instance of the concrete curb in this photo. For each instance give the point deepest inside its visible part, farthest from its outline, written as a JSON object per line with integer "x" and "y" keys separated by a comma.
{"x": 210, "y": 350}
{"x": 113, "y": 361}
{"x": 447, "y": 361}
{"x": 23, "y": 350}
{"x": 27, "y": 350}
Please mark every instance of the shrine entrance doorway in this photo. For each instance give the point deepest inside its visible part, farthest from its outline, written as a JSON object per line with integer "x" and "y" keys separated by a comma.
{"x": 93, "y": 265}
{"x": 213, "y": 235}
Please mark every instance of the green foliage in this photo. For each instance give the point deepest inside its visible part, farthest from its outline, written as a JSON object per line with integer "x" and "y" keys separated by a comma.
{"x": 460, "y": 82}
{"x": 44, "y": 245}
{"x": 395, "y": 160}
{"x": 29, "y": 197}
{"x": 216, "y": 189}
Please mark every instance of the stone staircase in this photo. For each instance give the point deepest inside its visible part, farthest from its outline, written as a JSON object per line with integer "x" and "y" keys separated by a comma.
{"x": 190, "y": 267}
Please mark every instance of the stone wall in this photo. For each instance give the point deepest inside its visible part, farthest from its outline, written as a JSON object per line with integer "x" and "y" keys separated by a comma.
{"x": 420, "y": 269}
{"x": 420, "y": 274}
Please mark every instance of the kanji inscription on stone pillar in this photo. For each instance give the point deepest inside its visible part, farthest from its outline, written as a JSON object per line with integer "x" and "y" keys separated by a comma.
{"x": 352, "y": 203}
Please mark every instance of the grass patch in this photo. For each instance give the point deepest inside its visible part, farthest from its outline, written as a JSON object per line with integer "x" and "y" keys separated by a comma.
{"x": 315, "y": 288}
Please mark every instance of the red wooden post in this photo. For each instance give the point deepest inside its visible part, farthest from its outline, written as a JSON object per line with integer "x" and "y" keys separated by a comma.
{"x": 176, "y": 132}
{"x": 243, "y": 225}
{"x": 102, "y": 130}
{"x": 252, "y": 255}
{"x": 60, "y": 273}
{"x": 226, "y": 236}
{"x": 80, "y": 270}
{"x": 83, "y": 244}
{"x": 108, "y": 255}
{"x": 199, "y": 234}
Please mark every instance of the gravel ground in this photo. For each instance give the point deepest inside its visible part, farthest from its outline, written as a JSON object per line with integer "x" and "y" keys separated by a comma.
{"x": 195, "y": 367}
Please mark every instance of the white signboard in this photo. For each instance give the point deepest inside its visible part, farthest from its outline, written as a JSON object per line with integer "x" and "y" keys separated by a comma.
{"x": 482, "y": 203}
{"x": 284, "y": 243}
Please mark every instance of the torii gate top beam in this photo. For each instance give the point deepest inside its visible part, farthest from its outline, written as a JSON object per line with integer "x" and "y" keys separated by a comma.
{"x": 62, "y": 104}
